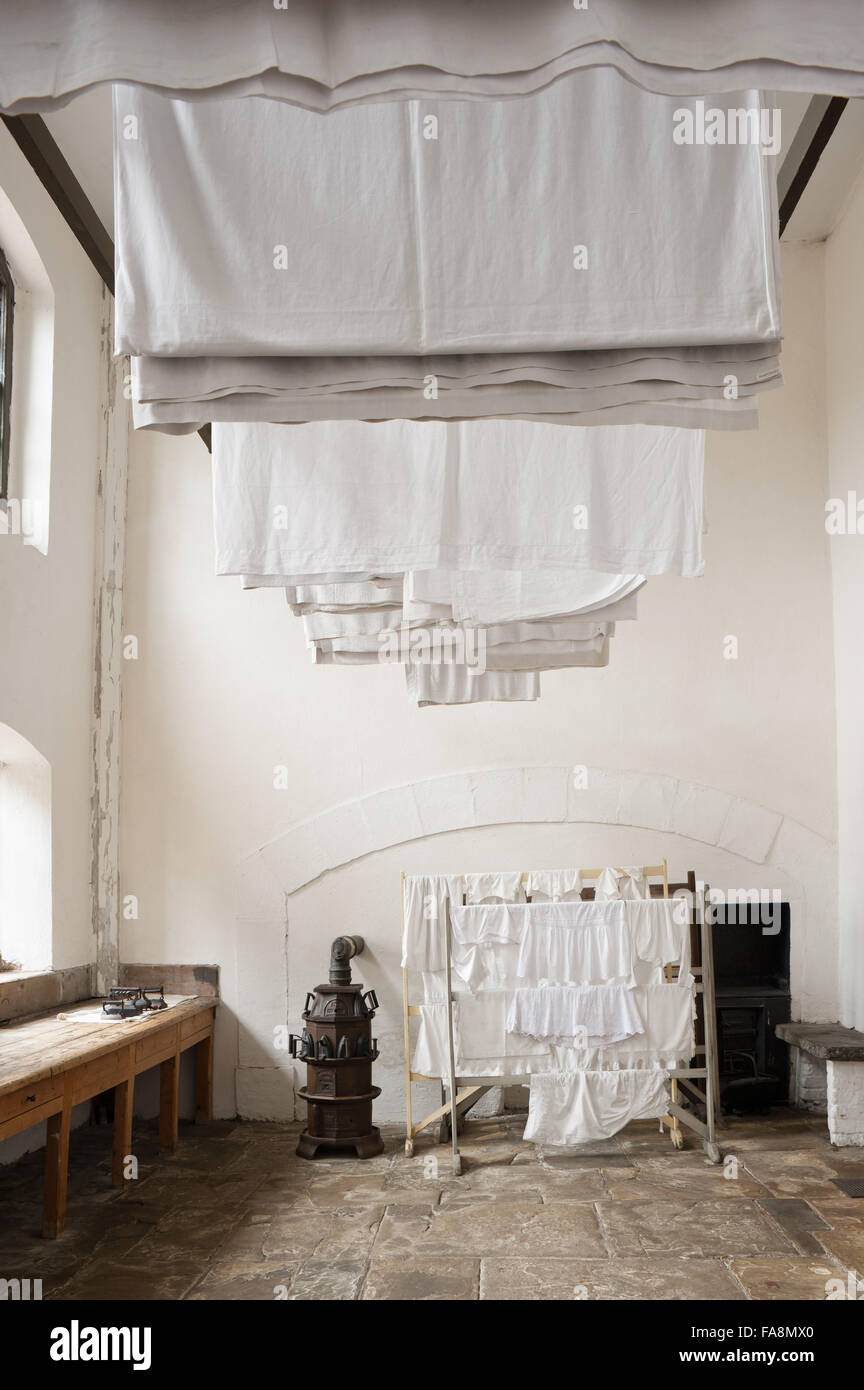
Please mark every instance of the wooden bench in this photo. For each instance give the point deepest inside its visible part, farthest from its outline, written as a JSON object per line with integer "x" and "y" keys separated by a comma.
{"x": 47, "y": 1066}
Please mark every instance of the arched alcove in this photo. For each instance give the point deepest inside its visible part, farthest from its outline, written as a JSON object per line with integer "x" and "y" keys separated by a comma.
{"x": 25, "y": 853}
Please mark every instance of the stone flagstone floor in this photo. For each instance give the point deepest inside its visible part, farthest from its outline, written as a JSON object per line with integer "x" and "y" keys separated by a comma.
{"x": 234, "y": 1214}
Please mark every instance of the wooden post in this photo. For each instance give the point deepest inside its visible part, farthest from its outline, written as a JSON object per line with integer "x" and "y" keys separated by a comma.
{"x": 169, "y": 1096}
{"x": 57, "y": 1167}
{"x": 204, "y": 1080}
{"x": 123, "y": 1097}
{"x": 409, "y": 1119}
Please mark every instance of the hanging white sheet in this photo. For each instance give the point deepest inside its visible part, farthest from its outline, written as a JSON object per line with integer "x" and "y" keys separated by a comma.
{"x": 425, "y": 902}
{"x": 575, "y": 943}
{"x": 458, "y": 685}
{"x": 577, "y": 1107}
{"x": 484, "y": 496}
{"x": 660, "y": 931}
{"x": 332, "y": 264}
{"x": 322, "y": 54}
{"x": 587, "y": 1016}
{"x": 667, "y": 1012}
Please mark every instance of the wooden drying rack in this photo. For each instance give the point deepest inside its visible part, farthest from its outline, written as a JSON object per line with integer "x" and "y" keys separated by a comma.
{"x": 466, "y": 1090}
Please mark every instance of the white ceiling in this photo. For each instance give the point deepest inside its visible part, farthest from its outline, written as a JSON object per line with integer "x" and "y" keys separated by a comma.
{"x": 83, "y": 132}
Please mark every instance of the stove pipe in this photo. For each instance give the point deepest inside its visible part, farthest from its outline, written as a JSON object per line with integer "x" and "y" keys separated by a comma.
{"x": 341, "y": 952}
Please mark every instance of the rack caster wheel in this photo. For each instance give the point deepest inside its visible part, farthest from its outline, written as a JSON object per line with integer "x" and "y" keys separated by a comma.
{"x": 713, "y": 1152}
{"x": 409, "y": 1148}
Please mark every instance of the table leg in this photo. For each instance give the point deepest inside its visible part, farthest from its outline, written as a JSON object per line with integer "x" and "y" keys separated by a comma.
{"x": 56, "y": 1170}
{"x": 204, "y": 1080}
{"x": 123, "y": 1095}
{"x": 169, "y": 1095}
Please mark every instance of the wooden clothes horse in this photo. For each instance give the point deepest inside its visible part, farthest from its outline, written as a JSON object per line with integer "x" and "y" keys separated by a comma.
{"x": 464, "y": 1091}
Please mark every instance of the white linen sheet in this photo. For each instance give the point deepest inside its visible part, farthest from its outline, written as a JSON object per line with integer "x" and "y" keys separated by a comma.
{"x": 576, "y": 1107}
{"x": 483, "y": 496}
{"x": 485, "y": 276}
{"x": 426, "y": 898}
{"x": 322, "y": 54}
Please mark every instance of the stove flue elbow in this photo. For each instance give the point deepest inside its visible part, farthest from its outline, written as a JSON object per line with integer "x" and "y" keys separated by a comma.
{"x": 341, "y": 952}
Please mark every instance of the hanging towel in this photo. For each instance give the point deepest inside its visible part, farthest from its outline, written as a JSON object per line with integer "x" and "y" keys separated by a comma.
{"x": 590, "y": 1016}
{"x": 574, "y": 943}
{"x": 576, "y": 1107}
{"x": 554, "y": 885}
{"x": 660, "y": 932}
{"x": 490, "y": 888}
{"x": 426, "y": 901}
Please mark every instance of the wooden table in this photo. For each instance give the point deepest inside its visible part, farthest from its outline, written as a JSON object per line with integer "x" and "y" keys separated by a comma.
{"x": 47, "y": 1066}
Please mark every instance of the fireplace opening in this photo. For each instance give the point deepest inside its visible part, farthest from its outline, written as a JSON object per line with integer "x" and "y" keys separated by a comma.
{"x": 751, "y": 963}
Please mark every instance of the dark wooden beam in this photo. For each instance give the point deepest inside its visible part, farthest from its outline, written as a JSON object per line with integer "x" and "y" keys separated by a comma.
{"x": 810, "y": 158}
{"x": 48, "y": 163}
{"x": 50, "y": 166}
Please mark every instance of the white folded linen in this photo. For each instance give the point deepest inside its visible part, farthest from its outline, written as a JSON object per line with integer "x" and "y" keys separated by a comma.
{"x": 594, "y": 376}
{"x": 325, "y": 272}
{"x": 548, "y": 656}
{"x": 660, "y": 931}
{"x": 402, "y": 495}
{"x": 576, "y": 1107}
{"x": 584, "y": 1016}
{"x": 497, "y": 887}
{"x": 500, "y": 596}
{"x": 321, "y": 54}
{"x": 554, "y": 885}
{"x": 573, "y": 943}
{"x": 430, "y": 1054}
{"x": 540, "y": 406}
{"x": 426, "y": 899}
{"x": 459, "y": 685}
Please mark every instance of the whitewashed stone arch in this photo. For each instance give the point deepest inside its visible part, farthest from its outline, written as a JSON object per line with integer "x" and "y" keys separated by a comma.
{"x": 525, "y": 795}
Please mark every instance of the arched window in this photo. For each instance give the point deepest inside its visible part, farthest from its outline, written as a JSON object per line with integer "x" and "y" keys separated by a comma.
{"x": 7, "y": 298}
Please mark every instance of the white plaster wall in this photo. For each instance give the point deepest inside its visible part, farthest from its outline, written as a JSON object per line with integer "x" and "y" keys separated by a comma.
{"x": 222, "y": 693}
{"x": 844, "y": 310}
{"x": 46, "y": 600}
